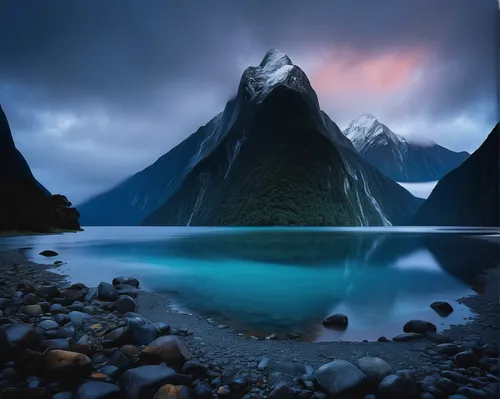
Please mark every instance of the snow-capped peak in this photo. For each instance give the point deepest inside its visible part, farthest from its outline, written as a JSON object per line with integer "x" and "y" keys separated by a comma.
{"x": 276, "y": 68}
{"x": 365, "y": 121}
{"x": 367, "y": 130}
{"x": 276, "y": 59}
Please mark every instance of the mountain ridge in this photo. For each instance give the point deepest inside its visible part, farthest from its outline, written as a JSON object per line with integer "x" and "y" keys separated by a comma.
{"x": 402, "y": 159}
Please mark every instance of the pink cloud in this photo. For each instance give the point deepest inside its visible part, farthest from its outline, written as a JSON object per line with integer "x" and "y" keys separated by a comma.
{"x": 384, "y": 73}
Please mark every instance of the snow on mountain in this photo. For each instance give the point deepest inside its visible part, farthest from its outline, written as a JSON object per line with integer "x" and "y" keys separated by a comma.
{"x": 401, "y": 158}
{"x": 367, "y": 131}
{"x": 275, "y": 69}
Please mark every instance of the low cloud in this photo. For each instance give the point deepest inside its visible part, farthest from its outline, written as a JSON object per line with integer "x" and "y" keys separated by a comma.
{"x": 95, "y": 91}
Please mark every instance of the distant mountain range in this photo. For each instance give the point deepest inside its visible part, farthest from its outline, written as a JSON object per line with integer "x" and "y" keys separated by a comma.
{"x": 272, "y": 157}
{"x": 399, "y": 158}
{"x": 469, "y": 194}
{"x": 25, "y": 205}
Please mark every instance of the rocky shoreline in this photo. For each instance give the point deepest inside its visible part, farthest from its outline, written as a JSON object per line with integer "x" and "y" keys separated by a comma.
{"x": 60, "y": 340}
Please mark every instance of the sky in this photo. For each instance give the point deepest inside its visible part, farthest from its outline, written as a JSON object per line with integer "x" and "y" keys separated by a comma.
{"x": 97, "y": 90}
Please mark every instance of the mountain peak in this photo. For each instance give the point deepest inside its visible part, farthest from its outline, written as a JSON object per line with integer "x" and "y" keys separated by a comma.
{"x": 367, "y": 115}
{"x": 366, "y": 131}
{"x": 275, "y": 69}
{"x": 364, "y": 121}
{"x": 275, "y": 58}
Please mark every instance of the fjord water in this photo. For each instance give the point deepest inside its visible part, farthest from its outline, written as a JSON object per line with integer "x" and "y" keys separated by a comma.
{"x": 284, "y": 280}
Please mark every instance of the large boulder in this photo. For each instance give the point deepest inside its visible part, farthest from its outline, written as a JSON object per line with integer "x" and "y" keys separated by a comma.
{"x": 107, "y": 292}
{"x": 47, "y": 325}
{"x": 56, "y": 308}
{"x": 61, "y": 365}
{"x": 375, "y": 368}
{"x": 418, "y": 326}
{"x": 168, "y": 349}
{"x": 124, "y": 304}
{"x": 143, "y": 382}
{"x": 339, "y": 376}
{"x": 79, "y": 319}
{"x": 143, "y": 331}
{"x": 118, "y": 337}
{"x": 32, "y": 310}
{"x": 120, "y": 361}
{"x": 126, "y": 280}
{"x": 28, "y": 299}
{"x": 442, "y": 308}
{"x": 48, "y": 253}
{"x": 16, "y": 336}
{"x": 98, "y": 390}
{"x": 337, "y": 321}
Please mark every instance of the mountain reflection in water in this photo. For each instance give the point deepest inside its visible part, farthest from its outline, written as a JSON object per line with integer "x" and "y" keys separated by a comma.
{"x": 287, "y": 280}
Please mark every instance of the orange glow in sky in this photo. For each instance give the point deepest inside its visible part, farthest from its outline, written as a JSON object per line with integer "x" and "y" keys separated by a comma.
{"x": 381, "y": 73}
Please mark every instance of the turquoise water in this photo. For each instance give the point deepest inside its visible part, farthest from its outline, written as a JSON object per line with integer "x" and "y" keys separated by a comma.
{"x": 285, "y": 280}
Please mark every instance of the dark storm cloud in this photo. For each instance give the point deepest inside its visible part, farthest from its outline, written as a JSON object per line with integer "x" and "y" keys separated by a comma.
{"x": 96, "y": 90}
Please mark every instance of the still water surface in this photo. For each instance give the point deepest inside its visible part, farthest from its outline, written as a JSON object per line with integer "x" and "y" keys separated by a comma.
{"x": 284, "y": 280}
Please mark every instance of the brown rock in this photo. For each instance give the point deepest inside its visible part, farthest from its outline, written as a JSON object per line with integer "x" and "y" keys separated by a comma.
{"x": 63, "y": 365}
{"x": 168, "y": 349}
{"x": 169, "y": 391}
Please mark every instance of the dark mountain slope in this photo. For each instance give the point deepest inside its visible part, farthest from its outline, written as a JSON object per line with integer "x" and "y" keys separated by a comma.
{"x": 280, "y": 176}
{"x": 469, "y": 194}
{"x": 25, "y": 205}
{"x": 132, "y": 200}
{"x": 287, "y": 172}
{"x": 271, "y": 157}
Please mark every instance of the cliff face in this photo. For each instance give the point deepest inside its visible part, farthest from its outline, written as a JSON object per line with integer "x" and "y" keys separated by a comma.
{"x": 469, "y": 194}
{"x": 25, "y": 205}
